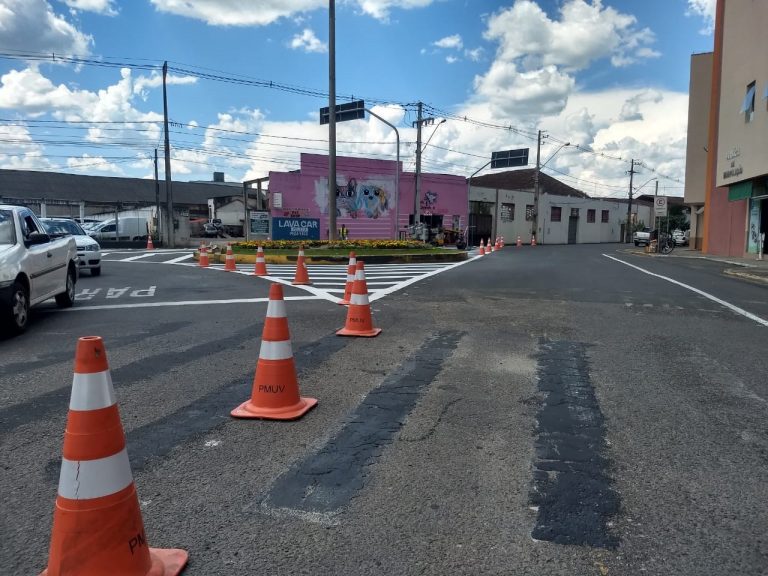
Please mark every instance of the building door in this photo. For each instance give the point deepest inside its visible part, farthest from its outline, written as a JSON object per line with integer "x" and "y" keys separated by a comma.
{"x": 764, "y": 222}
{"x": 573, "y": 225}
{"x": 480, "y": 227}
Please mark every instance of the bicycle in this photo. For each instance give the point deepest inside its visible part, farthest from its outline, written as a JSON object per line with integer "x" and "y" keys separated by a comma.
{"x": 665, "y": 244}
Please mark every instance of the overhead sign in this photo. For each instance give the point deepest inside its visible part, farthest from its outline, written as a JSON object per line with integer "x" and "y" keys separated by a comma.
{"x": 349, "y": 111}
{"x": 295, "y": 229}
{"x": 260, "y": 223}
{"x": 509, "y": 158}
{"x": 660, "y": 206}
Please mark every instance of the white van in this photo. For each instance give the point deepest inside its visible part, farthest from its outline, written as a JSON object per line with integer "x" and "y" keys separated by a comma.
{"x": 129, "y": 229}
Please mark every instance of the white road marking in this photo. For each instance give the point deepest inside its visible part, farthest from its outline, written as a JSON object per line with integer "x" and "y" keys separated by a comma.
{"x": 328, "y": 279}
{"x": 179, "y": 259}
{"x": 134, "y": 258}
{"x": 182, "y": 303}
{"x": 728, "y": 305}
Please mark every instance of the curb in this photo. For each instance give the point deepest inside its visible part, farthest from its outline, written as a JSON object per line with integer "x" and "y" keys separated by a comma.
{"x": 219, "y": 258}
{"x": 745, "y": 275}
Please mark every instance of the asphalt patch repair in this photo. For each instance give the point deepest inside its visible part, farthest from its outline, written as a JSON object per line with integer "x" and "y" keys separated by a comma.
{"x": 571, "y": 485}
{"x": 319, "y": 486}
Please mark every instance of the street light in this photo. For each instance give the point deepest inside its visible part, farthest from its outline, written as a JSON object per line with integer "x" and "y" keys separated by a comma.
{"x": 433, "y": 133}
{"x": 397, "y": 174}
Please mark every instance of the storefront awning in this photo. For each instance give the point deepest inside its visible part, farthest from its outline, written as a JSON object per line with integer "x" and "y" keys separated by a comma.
{"x": 740, "y": 191}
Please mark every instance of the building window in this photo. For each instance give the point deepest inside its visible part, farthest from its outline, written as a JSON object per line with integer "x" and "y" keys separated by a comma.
{"x": 604, "y": 216}
{"x": 591, "y": 215}
{"x": 481, "y": 207}
{"x": 748, "y": 106}
{"x": 507, "y": 212}
{"x": 555, "y": 213}
{"x": 529, "y": 212}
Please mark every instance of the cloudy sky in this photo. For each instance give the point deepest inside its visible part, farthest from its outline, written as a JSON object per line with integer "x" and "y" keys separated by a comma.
{"x": 81, "y": 84}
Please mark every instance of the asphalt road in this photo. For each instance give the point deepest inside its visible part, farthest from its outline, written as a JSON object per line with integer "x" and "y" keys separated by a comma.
{"x": 542, "y": 411}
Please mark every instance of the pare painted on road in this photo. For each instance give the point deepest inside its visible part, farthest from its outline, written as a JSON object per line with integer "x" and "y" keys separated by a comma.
{"x": 113, "y": 293}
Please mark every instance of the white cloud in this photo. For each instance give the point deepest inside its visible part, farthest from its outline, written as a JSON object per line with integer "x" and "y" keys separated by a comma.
{"x": 630, "y": 111}
{"x": 88, "y": 164}
{"x": 28, "y": 92}
{"x": 450, "y": 42}
{"x": 609, "y": 122}
{"x": 585, "y": 32}
{"x": 511, "y": 93}
{"x": 155, "y": 80}
{"x": 537, "y": 57}
{"x": 35, "y": 27}
{"x": 705, "y": 9}
{"x": 263, "y": 12}
{"x": 451, "y": 59}
{"x": 105, "y": 7}
{"x": 308, "y": 42}
{"x": 475, "y": 54}
{"x": 18, "y": 151}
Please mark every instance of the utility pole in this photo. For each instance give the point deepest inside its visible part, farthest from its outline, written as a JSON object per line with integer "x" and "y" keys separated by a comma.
{"x": 416, "y": 204}
{"x": 655, "y": 195}
{"x": 157, "y": 200}
{"x": 331, "y": 120}
{"x": 168, "y": 193}
{"x": 535, "y": 230}
{"x": 629, "y": 205}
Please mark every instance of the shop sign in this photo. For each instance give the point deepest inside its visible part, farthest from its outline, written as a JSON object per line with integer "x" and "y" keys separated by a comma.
{"x": 260, "y": 223}
{"x": 295, "y": 228}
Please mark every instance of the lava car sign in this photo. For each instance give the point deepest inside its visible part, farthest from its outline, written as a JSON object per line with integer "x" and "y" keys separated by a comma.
{"x": 295, "y": 229}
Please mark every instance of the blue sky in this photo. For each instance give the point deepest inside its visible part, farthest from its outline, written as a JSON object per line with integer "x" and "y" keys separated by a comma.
{"x": 610, "y": 75}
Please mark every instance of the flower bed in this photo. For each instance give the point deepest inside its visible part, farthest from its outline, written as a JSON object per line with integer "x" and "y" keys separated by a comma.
{"x": 332, "y": 245}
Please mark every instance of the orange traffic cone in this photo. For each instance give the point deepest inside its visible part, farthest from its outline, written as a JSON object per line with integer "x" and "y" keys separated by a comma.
{"x": 497, "y": 244}
{"x": 275, "y": 394}
{"x": 97, "y": 524}
{"x": 261, "y": 264}
{"x": 481, "y": 251}
{"x": 519, "y": 241}
{"x": 150, "y": 245}
{"x": 351, "y": 269}
{"x": 302, "y": 275}
{"x": 502, "y": 242}
{"x": 533, "y": 240}
{"x": 203, "y": 257}
{"x": 359, "y": 322}
{"x": 229, "y": 262}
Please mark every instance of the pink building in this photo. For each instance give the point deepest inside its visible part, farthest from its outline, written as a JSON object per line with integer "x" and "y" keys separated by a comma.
{"x": 365, "y": 199}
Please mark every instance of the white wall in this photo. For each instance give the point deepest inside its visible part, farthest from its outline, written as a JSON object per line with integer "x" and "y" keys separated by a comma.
{"x": 557, "y": 232}
{"x": 510, "y": 229}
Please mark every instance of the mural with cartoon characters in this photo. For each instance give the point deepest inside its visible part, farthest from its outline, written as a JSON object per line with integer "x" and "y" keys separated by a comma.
{"x": 366, "y": 206}
{"x": 428, "y": 202}
{"x": 360, "y": 200}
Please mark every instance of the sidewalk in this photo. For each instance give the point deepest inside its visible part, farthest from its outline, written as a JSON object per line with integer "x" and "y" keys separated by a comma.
{"x": 748, "y": 268}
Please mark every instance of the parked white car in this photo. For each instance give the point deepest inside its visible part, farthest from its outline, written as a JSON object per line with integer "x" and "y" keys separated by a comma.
{"x": 88, "y": 250}
{"x": 680, "y": 237}
{"x": 33, "y": 267}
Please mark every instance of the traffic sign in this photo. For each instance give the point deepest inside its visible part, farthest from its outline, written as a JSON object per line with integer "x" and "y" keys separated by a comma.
{"x": 509, "y": 158}
{"x": 349, "y": 111}
{"x": 660, "y": 206}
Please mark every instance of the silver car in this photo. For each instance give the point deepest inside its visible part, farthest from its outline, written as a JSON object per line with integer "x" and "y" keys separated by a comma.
{"x": 88, "y": 249}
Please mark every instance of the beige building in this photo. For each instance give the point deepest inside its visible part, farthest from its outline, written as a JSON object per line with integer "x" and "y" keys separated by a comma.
{"x": 742, "y": 152}
{"x": 735, "y": 175}
{"x": 700, "y": 91}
